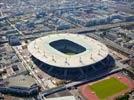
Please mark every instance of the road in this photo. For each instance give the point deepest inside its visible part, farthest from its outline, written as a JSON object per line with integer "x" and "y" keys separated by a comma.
{"x": 12, "y": 25}
{"x": 28, "y": 67}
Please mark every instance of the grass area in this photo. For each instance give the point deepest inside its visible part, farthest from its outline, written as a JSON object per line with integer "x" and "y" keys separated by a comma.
{"x": 70, "y": 53}
{"x": 108, "y": 87}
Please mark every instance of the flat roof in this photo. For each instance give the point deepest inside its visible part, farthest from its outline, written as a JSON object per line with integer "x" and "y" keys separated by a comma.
{"x": 95, "y": 51}
{"x": 21, "y": 80}
{"x": 62, "y": 98}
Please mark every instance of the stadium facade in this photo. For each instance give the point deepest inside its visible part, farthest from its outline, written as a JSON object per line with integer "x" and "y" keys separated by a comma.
{"x": 70, "y": 56}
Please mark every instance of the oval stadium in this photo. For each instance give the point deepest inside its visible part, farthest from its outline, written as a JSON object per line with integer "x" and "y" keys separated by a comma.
{"x": 70, "y": 56}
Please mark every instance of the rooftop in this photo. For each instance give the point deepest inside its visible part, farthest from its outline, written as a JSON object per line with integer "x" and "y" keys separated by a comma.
{"x": 42, "y": 50}
{"x": 63, "y": 98}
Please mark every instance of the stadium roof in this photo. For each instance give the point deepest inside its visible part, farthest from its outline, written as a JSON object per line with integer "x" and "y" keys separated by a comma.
{"x": 41, "y": 49}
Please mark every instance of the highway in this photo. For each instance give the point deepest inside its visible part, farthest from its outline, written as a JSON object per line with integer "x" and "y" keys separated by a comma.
{"x": 99, "y": 27}
{"x": 111, "y": 44}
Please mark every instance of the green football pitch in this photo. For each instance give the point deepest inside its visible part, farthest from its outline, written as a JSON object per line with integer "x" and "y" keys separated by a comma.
{"x": 108, "y": 87}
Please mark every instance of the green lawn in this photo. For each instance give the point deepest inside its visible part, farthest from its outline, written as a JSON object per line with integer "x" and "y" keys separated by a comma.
{"x": 108, "y": 87}
{"x": 69, "y": 53}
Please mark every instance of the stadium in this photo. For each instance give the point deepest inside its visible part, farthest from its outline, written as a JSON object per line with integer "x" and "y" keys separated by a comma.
{"x": 70, "y": 56}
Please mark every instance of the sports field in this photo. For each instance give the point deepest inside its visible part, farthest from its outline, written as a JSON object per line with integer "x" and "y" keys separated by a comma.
{"x": 108, "y": 87}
